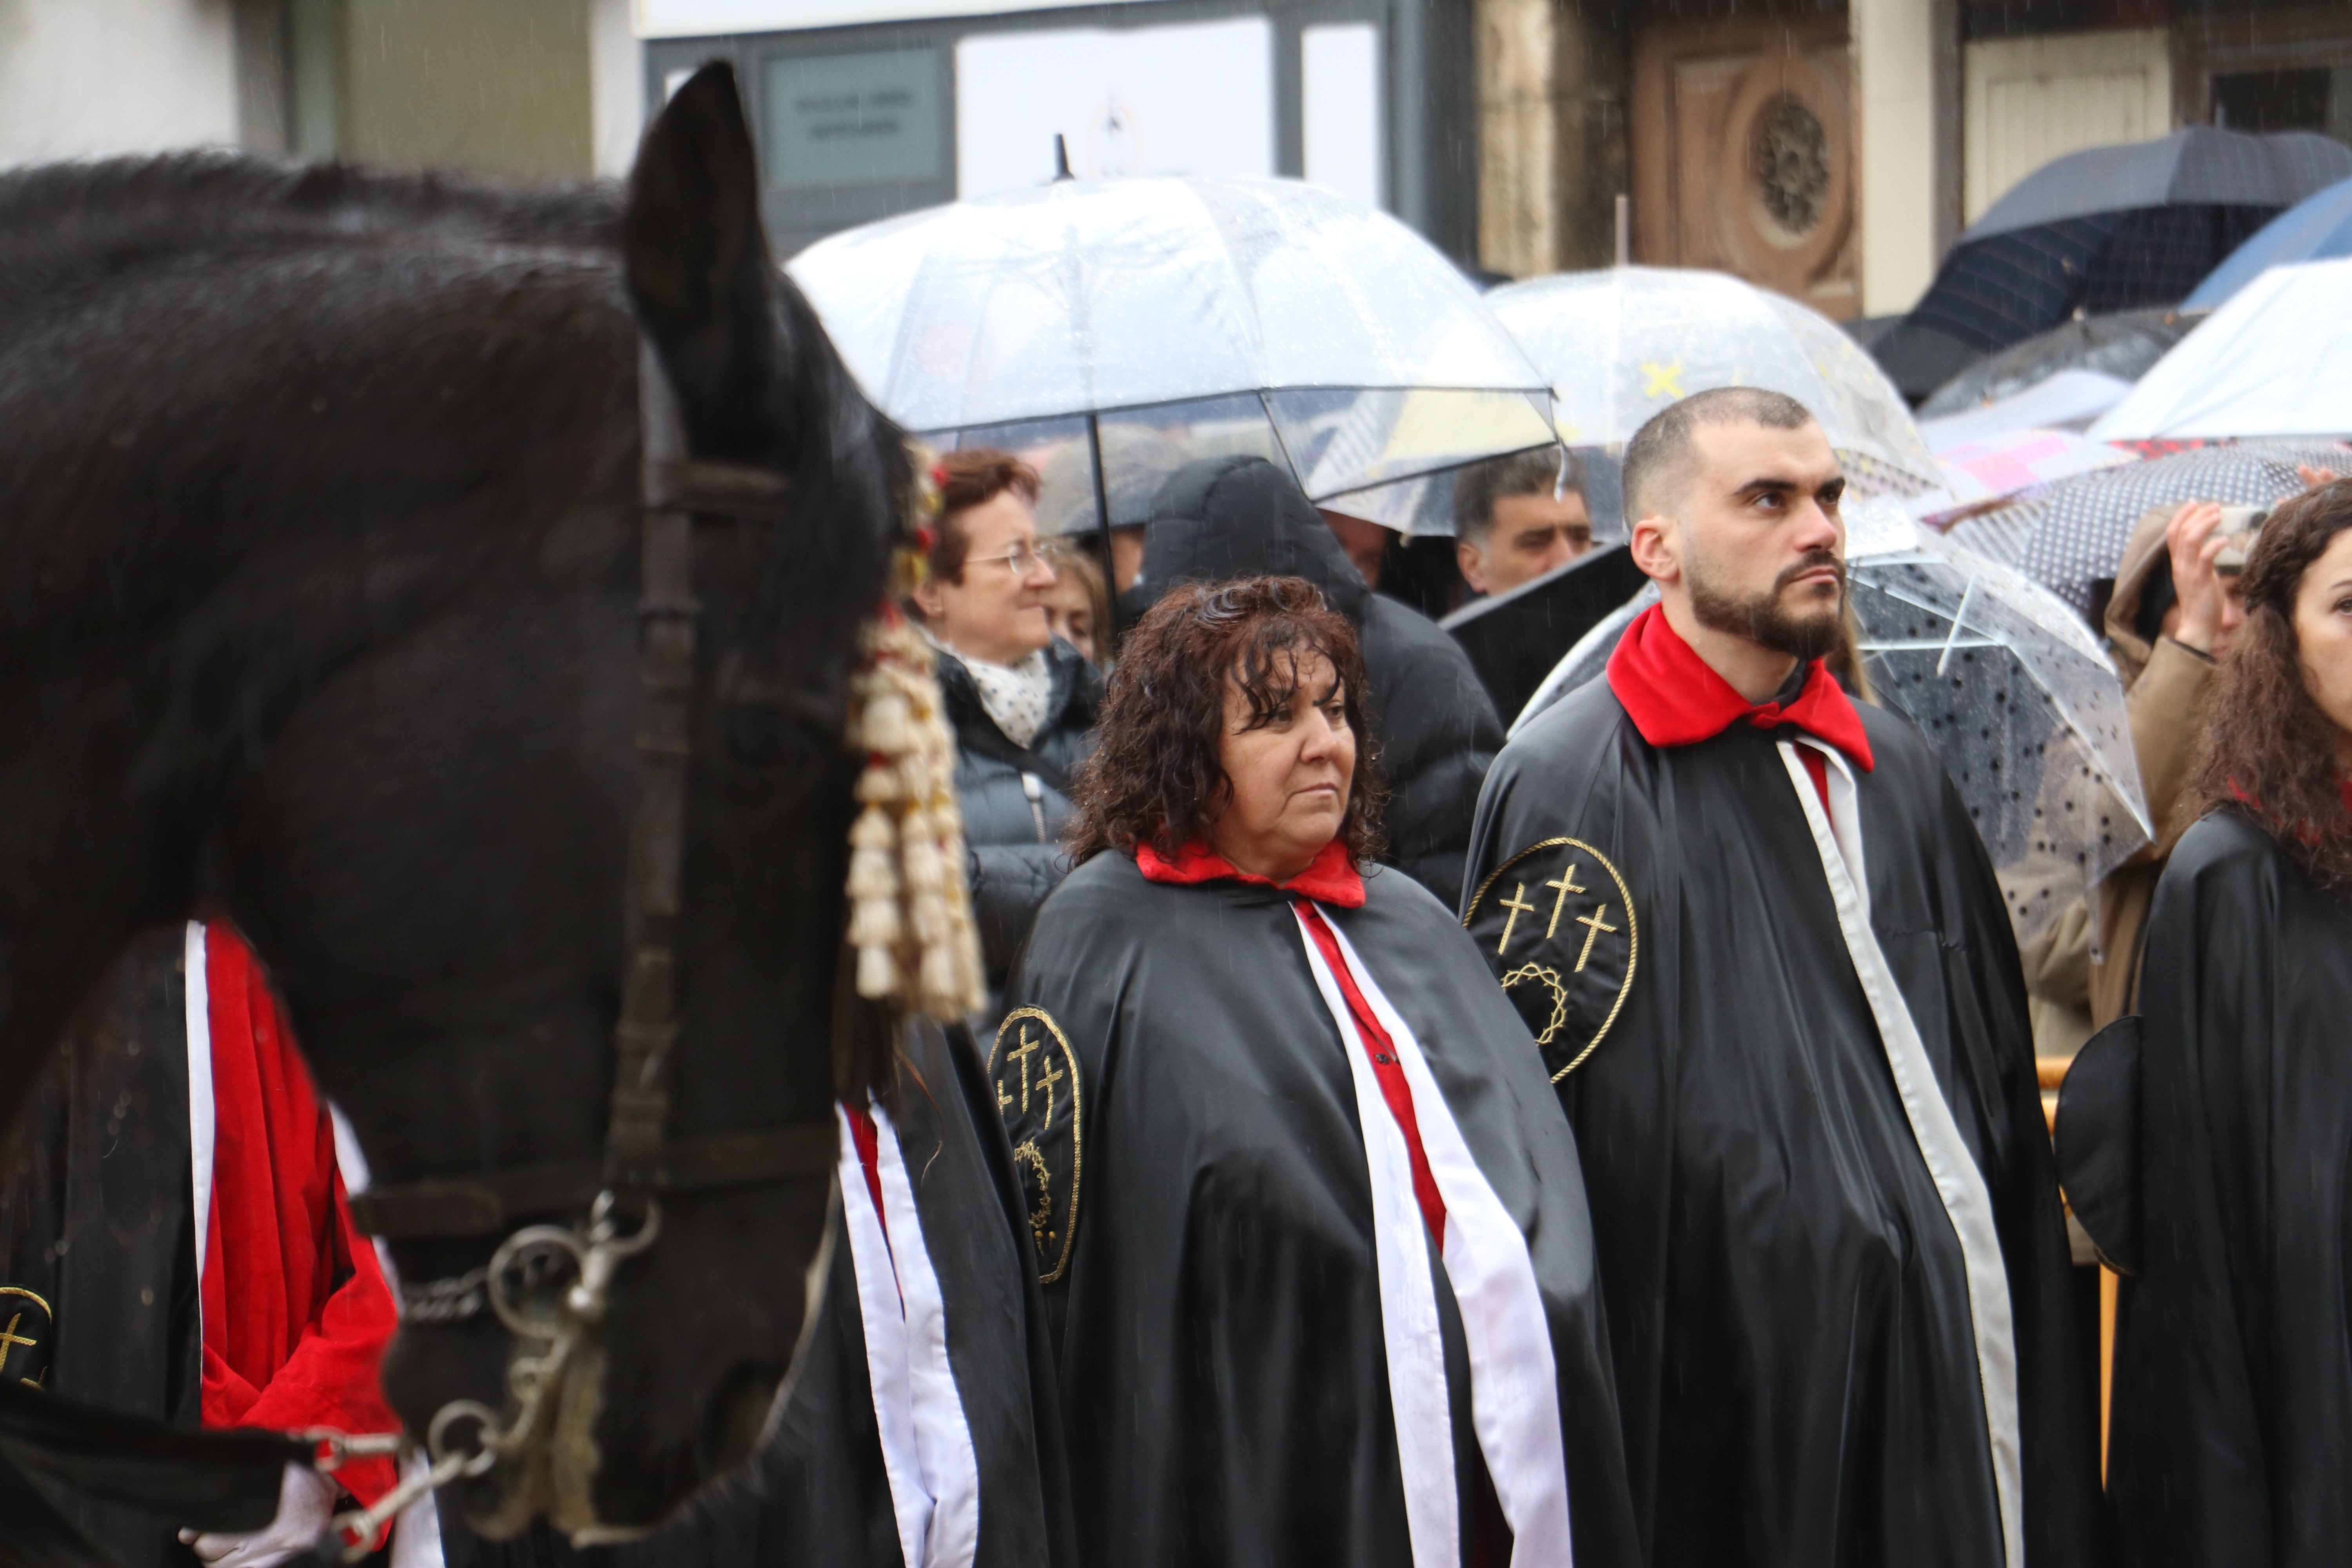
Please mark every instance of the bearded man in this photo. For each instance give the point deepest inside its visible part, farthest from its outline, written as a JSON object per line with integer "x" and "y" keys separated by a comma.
{"x": 1764, "y": 957}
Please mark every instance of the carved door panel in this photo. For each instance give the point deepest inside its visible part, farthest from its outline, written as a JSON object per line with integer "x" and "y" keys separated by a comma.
{"x": 1744, "y": 154}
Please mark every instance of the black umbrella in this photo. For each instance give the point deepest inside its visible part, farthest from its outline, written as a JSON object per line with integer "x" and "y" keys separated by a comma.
{"x": 2116, "y": 228}
{"x": 1515, "y": 639}
{"x": 2123, "y": 345}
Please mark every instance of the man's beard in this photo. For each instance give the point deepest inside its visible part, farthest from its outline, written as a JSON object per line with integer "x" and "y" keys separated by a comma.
{"x": 1761, "y": 618}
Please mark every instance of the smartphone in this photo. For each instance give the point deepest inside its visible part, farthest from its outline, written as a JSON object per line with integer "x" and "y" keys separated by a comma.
{"x": 2240, "y": 525}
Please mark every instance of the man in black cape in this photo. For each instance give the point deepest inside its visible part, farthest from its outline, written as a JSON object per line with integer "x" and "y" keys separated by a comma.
{"x": 1765, "y": 957}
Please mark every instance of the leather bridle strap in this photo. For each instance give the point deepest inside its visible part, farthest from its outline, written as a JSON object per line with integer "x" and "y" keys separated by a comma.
{"x": 495, "y": 1204}
{"x": 640, "y": 1161}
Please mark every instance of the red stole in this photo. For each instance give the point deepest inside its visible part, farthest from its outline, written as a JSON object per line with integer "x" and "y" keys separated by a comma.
{"x": 296, "y": 1311}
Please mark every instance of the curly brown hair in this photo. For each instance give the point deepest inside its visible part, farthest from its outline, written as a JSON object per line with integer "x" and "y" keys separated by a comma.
{"x": 2268, "y": 751}
{"x": 1155, "y": 776}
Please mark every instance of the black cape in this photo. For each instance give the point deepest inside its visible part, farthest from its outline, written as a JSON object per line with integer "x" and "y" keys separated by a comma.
{"x": 98, "y": 1264}
{"x": 1794, "y": 1345}
{"x": 2233, "y": 1416}
{"x": 1215, "y": 1286}
{"x": 816, "y": 1492}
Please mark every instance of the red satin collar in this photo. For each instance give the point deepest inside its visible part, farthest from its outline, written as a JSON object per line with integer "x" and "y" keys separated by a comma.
{"x": 1331, "y": 879}
{"x": 1676, "y": 698}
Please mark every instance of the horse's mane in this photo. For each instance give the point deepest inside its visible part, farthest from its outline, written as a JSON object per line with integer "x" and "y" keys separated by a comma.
{"x": 67, "y": 223}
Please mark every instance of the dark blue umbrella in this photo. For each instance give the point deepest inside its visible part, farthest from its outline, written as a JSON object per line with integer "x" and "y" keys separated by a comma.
{"x": 2114, "y": 228}
{"x": 2316, "y": 228}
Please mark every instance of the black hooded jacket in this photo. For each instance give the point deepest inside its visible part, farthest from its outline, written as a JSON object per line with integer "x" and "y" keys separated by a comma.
{"x": 1434, "y": 729}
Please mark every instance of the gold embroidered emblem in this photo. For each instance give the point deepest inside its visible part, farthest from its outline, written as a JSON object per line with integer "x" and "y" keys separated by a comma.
{"x": 1035, "y": 1075}
{"x": 1569, "y": 982}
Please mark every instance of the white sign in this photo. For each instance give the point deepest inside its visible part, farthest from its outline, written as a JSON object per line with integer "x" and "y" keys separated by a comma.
{"x": 1190, "y": 99}
{"x": 712, "y": 19}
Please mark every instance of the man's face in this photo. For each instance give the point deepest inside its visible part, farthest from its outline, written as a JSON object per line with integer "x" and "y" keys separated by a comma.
{"x": 1759, "y": 551}
{"x": 1531, "y": 535}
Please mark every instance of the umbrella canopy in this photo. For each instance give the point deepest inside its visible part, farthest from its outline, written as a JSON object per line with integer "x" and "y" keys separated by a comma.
{"x": 1978, "y": 472}
{"x": 2071, "y": 534}
{"x": 2124, "y": 345}
{"x": 2007, "y": 686}
{"x": 2316, "y": 228}
{"x": 2015, "y": 695}
{"x": 2110, "y": 229}
{"x": 1618, "y": 345}
{"x": 1515, "y": 639}
{"x": 2275, "y": 361}
{"x": 2066, "y": 401}
{"x": 1259, "y": 315}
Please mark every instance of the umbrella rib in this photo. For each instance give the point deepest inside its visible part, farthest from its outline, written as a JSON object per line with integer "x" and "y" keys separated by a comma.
{"x": 1958, "y": 615}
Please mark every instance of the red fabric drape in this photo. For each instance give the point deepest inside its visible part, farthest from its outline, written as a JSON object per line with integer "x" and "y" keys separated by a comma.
{"x": 296, "y": 1310}
{"x": 1676, "y": 698}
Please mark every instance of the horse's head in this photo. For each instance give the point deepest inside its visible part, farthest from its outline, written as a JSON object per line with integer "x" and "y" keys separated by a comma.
{"x": 434, "y": 850}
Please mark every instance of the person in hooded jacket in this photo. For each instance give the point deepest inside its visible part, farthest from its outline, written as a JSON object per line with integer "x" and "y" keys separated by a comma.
{"x": 2176, "y": 603}
{"x": 1021, "y": 701}
{"x": 1432, "y": 724}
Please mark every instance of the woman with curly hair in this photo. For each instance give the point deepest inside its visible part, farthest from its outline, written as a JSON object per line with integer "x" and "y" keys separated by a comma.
{"x": 2233, "y": 1377}
{"x": 1311, "y": 1230}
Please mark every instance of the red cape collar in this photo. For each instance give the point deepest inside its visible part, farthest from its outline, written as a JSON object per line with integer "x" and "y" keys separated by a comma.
{"x": 1331, "y": 879}
{"x": 1675, "y": 699}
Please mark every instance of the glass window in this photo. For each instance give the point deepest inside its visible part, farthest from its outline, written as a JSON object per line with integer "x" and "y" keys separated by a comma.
{"x": 854, "y": 120}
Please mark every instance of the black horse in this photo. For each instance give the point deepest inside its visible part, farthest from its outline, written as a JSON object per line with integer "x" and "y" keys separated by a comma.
{"x": 321, "y": 503}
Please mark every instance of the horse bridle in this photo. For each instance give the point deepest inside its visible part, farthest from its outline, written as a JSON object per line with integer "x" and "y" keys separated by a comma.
{"x": 642, "y": 1163}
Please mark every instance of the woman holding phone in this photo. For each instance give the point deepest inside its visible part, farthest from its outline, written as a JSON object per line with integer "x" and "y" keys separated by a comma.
{"x": 2233, "y": 1408}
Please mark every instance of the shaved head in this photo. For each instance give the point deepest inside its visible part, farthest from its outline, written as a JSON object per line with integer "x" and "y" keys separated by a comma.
{"x": 1659, "y": 459}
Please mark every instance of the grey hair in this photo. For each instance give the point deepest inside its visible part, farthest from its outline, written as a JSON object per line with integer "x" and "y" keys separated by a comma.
{"x": 1658, "y": 457}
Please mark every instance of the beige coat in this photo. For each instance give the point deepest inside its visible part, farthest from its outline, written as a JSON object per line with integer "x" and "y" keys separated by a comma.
{"x": 2165, "y": 687}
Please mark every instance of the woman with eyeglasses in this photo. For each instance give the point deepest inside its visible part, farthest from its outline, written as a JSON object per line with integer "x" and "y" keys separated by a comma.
{"x": 1022, "y": 700}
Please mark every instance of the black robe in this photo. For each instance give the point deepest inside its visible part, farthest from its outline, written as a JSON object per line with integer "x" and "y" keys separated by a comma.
{"x": 98, "y": 1263}
{"x": 2233, "y": 1417}
{"x": 817, "y": 1491}
{"x": 1788, "y": 1296}
{"x": 1216, "y": 1290}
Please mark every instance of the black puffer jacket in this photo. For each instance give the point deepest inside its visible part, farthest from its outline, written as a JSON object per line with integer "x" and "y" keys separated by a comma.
{"x": 1434, "y": 729}
{"x": 1014, "y": 800}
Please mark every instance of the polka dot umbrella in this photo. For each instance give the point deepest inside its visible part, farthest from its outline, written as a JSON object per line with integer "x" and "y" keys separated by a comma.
{"x": 2072, "y": 532}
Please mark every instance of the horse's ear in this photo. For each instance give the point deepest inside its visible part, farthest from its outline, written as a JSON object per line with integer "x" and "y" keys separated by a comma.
{"x": 699, "y": 268}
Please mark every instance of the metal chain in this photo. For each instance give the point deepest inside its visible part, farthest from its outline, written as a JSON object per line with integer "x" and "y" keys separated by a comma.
{"x": 533, "y": 1379}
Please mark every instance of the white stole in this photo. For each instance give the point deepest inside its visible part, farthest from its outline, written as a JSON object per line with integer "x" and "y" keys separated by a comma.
{"x": 926, "y": 1452}
{"x": 1514, "y": 1382}
{"x": 1837, "y": 836}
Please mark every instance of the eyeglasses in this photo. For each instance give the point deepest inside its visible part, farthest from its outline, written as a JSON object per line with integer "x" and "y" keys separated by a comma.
{"x": 1021, "y": 560}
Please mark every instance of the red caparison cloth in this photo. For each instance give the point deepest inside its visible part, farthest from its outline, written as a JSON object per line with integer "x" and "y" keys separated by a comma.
{"x": 1676, "y": 698}
{"x": 296, "y": 1310}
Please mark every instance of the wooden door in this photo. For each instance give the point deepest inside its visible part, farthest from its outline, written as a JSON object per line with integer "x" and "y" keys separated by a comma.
{"x": 1744, "y": 154}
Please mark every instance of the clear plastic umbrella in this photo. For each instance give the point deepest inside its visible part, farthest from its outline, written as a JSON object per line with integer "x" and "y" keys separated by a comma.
{"x": 2006, "y": 684}
{"x": 1621, "y": 344}
{"x": 1260, "y": 316}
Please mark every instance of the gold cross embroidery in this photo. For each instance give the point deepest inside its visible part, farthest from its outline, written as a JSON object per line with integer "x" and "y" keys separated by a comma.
{"x": 1047, "y": 1080}
{"x": 9, "y": 1336}
{"x": 1518, "y": 904}
{"x": 1594, "y": 924}
{"x": 1567, "y": 885}
{"x": 1023, "y": 1051}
